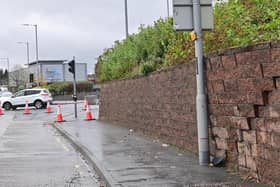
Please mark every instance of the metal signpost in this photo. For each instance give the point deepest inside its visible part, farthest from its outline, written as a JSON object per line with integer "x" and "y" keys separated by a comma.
{"x": 72, "y": 70}
{"x": 196, "y": 15}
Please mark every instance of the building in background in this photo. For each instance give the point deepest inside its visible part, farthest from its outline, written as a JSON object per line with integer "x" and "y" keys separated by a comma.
{"x": 46, "y": 71}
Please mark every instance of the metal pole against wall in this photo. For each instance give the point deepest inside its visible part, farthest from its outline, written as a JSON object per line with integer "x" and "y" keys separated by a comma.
{"x": 201, "y": 101}
{"x": 126, "y": 19}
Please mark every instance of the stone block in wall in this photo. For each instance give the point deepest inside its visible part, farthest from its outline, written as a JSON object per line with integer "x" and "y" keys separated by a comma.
{"x": 275, "y": 55}
{"x": 221, "y": 110}
{"x": 254, "y": 150}
{"x": 257, "y": 57}
{"x": 240, "y": 97}
{"x": 243, "y": 58}
{"x": 231, "y": 85}
{"x": 252, "y": 84}
{"x": 221, "y": 121}
{"x": 273, "y": 125}
{"x": 275, "y": 140}
{"x": 258, "y": 124}
{"x": 250, "y": 136}
{"x": 244, "y": 71}
{"x": 242, "y": 160}
{"x": 244, "y": 110}
{"x": 263, "y": 137}
{"x": 216, "y": 63}
{"x": 271, "y": 70}
{"x": 244, "y": 148}
{"x": 221, "y": 144}
{"x": 218, "y": 86}
{"x": 241, "y": 123}
{"x": 273, "y": 111}
{"x": 251, "y": 163}
{"x": 229, "y": 61}
{"x": 220, "y": 132}
{"x": 261, "y": 56}
{"x": 239, "y": 135}
{"x": 274, "y": 97}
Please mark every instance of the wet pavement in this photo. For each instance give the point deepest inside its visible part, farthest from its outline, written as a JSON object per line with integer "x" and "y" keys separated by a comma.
{"x": 130, "y": 159}
{"x": 33, "y": 153}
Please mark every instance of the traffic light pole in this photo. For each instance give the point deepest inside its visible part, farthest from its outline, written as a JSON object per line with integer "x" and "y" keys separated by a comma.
{"x": 75, "y": 90}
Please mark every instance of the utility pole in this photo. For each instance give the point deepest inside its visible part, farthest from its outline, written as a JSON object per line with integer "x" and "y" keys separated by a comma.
{"x": 126, "y": 19}
{"x": 201, "y": 101}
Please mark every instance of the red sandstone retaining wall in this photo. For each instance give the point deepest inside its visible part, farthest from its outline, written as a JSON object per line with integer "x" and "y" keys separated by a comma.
{"x": 243, "y": 86}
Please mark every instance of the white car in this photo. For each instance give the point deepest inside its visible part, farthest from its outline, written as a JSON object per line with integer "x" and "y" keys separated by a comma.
{"x": 35, "y": 97}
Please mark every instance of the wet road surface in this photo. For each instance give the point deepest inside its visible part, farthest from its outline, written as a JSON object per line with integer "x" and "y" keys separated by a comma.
{"x": 32, "y": 153}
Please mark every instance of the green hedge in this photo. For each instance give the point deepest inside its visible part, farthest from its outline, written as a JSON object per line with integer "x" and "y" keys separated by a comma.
{"x": 237, "y": 23}
{"x": 63, "y": 88}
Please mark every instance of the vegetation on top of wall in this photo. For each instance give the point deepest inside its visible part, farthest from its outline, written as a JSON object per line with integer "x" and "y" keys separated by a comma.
{"x": 63, "y": 88}
{"x": 237, "y": 23}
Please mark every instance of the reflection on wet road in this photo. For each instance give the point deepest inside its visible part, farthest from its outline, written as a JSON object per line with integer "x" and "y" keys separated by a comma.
{"x": 32, "y": 153}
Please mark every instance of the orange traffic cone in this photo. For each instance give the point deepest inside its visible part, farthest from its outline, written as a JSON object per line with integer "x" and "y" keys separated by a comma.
{"x": 26, "y": 109}
{"x": 59, "y": 117}
{"x": 1, "y": 110}
{"x": 88, "y": 114}
{"x": 85, "y": 103}
{"x": 48, "y": 110}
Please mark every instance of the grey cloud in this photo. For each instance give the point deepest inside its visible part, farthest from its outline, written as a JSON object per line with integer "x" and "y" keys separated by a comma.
{"x": 70, "y": 27}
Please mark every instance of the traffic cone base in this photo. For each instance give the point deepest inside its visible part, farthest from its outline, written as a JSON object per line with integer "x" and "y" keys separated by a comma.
{"x": 88, "y": 114}
{"x": 26, "y": 109}
{"x": 59, "y": 117}
{"x": 48, "y": 110}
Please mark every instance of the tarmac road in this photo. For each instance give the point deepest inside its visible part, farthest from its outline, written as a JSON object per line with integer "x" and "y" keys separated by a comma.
{"x": 32, "y": 153}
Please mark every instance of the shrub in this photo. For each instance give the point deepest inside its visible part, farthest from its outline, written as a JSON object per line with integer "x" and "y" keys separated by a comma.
{"x": 62, "y": 88}
{"x": 237, "y": 23}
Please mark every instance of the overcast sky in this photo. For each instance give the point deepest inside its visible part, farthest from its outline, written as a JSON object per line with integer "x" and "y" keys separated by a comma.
{"x": 66, "y": 28}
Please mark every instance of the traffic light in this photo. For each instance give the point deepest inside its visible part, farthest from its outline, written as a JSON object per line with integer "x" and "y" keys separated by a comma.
{"x": 71, "y": 67}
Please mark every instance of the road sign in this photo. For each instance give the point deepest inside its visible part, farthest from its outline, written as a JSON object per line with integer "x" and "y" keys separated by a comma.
{"x": 183, "y": 15}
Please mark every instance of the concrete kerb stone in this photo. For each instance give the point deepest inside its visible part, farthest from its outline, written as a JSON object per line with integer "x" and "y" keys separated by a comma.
{"x": 90, "y": 158}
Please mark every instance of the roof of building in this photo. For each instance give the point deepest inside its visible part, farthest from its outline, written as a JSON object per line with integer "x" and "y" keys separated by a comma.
{"x": 48, "y": 62}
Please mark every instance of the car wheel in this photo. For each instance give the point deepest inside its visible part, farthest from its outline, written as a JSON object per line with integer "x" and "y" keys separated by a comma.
{"x": 38, "y": 104}
{"x": 7, "y": 106}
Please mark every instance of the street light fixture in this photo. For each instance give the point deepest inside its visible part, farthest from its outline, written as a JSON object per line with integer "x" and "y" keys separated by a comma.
{"x": 37, "y": 50}
{"x": 8, "y": 68}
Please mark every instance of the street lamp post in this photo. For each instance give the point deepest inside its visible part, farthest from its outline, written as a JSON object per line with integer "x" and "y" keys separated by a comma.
{"x": 37, "y": 50}
{"x": 168, "y": 9}
{"x": 27, "y": 56}
{"x": 8, "y": 69}
{"x": 27, "y": 51}
{"x": 126, "y": 19}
